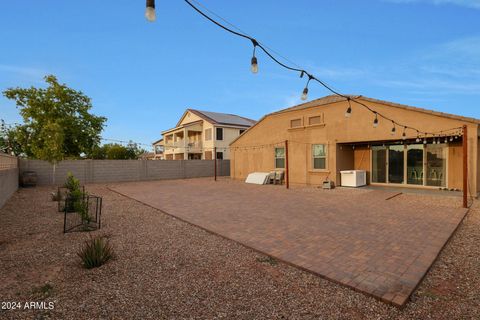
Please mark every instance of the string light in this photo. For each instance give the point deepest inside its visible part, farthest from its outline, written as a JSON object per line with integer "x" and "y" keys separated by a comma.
{"x": 393, "y": 129}
{"x": 254, "y": 63}
{"x": 404, "y": 134}
{"x": 150, "y": 11}
{"x": 375, "y": 121}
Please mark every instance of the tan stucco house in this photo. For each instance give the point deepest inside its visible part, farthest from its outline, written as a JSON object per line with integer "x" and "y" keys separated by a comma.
{"x": 322, "y": 141}
{"x": 203, "y": 135}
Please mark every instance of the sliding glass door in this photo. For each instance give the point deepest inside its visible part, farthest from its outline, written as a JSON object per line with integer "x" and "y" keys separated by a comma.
{"x": 415, "y": 164}
{"x": 379, "y": 164}
{"x": 396, "y": 164}
{"x": 436, "y": 165}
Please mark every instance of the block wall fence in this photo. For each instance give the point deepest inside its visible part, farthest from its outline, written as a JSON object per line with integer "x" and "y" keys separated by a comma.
{"x": 8, "y": 177}
{"x": 104, "y": 171}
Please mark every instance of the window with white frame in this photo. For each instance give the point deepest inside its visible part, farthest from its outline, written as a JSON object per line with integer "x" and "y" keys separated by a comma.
{"x": 319, "y": 155}
{"x": 280, "y": 158}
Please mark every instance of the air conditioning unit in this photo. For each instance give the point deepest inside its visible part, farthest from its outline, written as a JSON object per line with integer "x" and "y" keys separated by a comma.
{"x": 353, "y": 178}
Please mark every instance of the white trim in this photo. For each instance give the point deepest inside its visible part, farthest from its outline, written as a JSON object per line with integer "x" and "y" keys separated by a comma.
{"x": 312, "y": 159}
{"x": 275, "y": 157}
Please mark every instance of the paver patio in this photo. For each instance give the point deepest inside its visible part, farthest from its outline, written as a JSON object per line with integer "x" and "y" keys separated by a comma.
{"x": 354, "y": 237}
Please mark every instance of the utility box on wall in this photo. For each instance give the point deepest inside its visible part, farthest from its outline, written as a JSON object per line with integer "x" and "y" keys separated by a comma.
{"x": 353, "y": 178}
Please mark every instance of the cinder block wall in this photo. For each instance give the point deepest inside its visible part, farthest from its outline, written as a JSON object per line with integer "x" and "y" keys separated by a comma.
{"x": 102, "y": 171}
{"x": 8, "y": 184}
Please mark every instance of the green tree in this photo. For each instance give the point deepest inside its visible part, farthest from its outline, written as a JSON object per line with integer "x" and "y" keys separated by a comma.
{"x": 115, "y": 151}
{"x": 9, "y": 139}
{"x": 57, "y": 123}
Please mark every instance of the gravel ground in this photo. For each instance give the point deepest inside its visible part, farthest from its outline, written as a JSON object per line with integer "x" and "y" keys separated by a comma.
{"x": 166, "y": 268}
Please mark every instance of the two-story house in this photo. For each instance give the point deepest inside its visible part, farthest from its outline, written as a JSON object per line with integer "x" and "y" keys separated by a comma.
{"x": 158, "y": 148}
{"x": 203, "y": 135}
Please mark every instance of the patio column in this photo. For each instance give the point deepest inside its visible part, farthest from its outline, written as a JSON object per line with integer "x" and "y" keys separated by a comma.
{"x": 185, "y": 145}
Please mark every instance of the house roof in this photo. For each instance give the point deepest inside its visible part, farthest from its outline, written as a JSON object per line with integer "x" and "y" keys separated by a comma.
{"x": 223, "y": 118}
{"x": 158, "y": 141}
{"x": 182, "y": 126}
{"x": 335, "y": 98}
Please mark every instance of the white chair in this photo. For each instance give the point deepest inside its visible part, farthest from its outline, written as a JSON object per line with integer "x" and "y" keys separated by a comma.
{"x": 271, "y": 177}
{"x": 279, "y": 177}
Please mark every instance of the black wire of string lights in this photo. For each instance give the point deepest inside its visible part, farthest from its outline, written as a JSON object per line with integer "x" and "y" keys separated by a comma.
{"x": 150, "y": 14}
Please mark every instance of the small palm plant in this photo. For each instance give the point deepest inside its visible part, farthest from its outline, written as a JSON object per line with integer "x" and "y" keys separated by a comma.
{"x": 95, "y": 252}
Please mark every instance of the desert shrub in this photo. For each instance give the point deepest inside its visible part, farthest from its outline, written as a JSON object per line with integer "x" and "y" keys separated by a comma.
{"x": 95, "y": 252}
{"x": 81, "y": 207}
{"x": 74, "y": 195}
{"x": 72, "y": 183}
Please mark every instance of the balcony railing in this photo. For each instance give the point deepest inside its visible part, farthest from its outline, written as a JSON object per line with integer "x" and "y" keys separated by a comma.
{"x": 176, "y": 144}
{"x": 194, "y": 144}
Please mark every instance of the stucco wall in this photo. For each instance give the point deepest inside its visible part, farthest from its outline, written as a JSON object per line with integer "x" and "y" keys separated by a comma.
{"x": 101, "y": 171}
{"x": 337, "y": 129}
{"x": 229, "y": 134}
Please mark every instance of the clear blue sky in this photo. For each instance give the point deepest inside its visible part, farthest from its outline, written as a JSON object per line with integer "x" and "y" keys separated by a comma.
{"x": 142, "y": 75}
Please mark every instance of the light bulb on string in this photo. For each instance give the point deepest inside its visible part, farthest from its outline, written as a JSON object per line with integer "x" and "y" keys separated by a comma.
{"x": 451, "y": 138}
{"x": 305, "y": 90}
{"x": 418, "y": 137}
{"x": 404, "y": 134}
{"x": 375, "y": 121}
{"x": 393, "y": 129}
{"x": 254, "y": 62}
{"x": 150, "y": 11}
{"x": 348, "y": 113}
{"x": 434, "y": 141}
{"x": 304, "y": 94}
